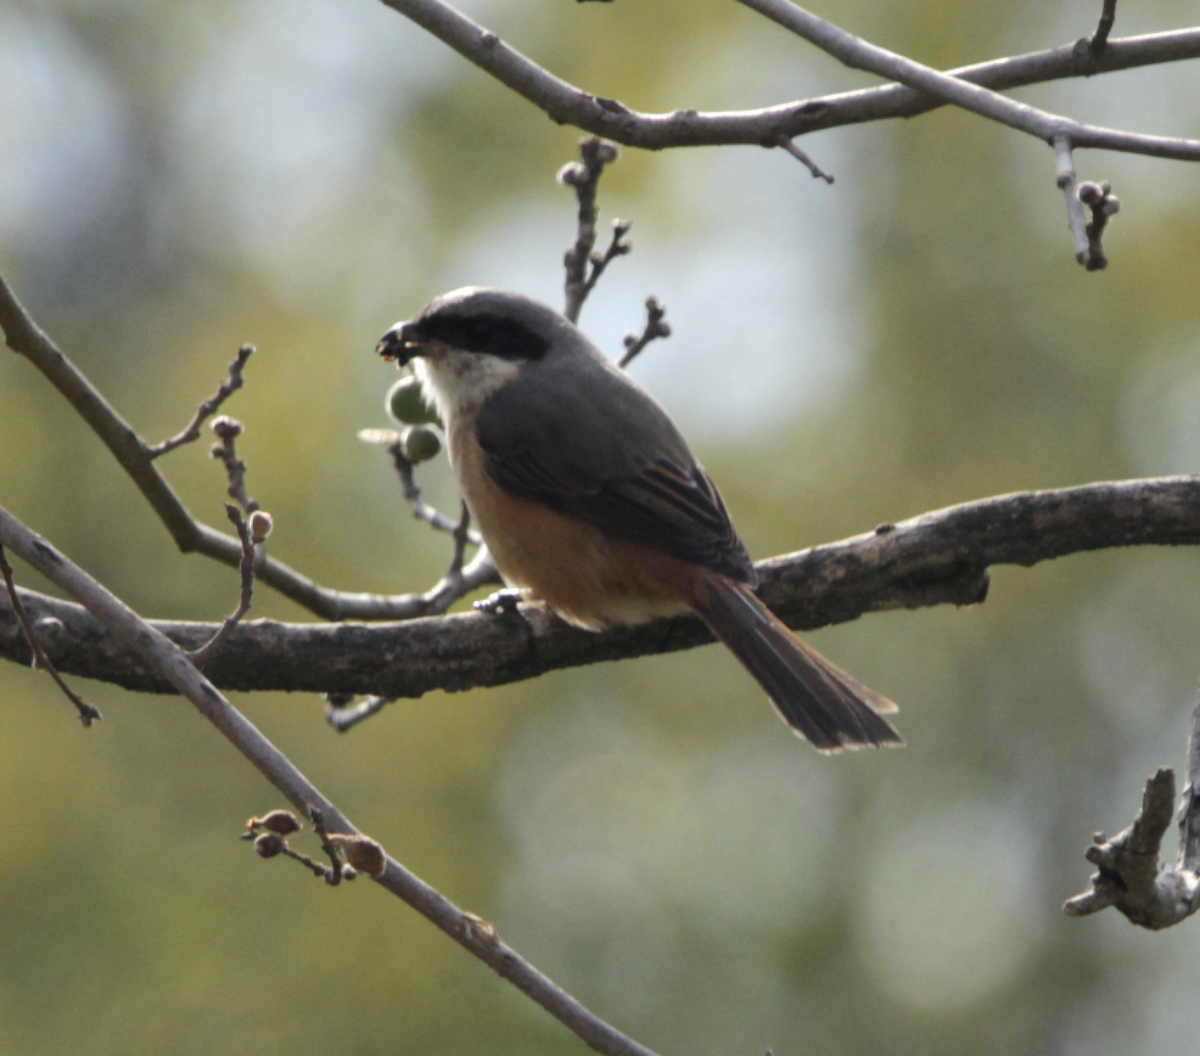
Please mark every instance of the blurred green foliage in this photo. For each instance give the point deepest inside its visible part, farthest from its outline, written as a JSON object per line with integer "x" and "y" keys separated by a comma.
{"x": 181, "y": 178}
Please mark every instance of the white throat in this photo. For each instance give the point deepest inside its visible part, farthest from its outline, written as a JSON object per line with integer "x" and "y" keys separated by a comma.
{"x": 457, "y": 381}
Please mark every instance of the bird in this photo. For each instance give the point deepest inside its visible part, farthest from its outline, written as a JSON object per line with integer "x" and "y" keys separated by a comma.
{"x": 593, "y": 505}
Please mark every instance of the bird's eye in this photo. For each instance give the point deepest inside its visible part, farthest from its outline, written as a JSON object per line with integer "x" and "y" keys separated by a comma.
{"x": 489, "y": 334}
{"x": 480, "y": 334}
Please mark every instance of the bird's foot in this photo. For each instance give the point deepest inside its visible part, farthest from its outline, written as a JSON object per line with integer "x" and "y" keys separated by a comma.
{"x": 502, "y": 601}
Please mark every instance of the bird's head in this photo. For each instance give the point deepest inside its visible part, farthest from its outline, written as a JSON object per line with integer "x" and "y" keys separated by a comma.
{"x": 473, "y": 341}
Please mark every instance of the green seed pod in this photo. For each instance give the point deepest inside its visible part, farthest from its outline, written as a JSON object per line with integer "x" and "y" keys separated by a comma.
{"x": 406, "y": 403}
{"x": 421, "y": 443}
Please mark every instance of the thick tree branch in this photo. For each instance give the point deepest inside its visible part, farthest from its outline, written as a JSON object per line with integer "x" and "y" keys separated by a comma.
{"x": 567, "y": 104}
{"x": 171, "y": 666}
{"x": 938, "y": 558}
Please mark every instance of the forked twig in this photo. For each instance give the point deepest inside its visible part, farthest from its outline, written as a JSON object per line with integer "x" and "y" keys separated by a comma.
{"x": 209, "y": 407}
{"x": 583, "y": 266}
{"x": 928, "y": 89}
{"x": 1130, "y": 877}
{"x": 656, "y": 327}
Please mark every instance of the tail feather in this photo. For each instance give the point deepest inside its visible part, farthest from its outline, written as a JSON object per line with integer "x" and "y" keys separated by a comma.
{"x": 815, "y": 697}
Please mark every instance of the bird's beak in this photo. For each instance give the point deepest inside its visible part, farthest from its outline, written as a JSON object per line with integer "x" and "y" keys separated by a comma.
{"x": 401, "y": 343}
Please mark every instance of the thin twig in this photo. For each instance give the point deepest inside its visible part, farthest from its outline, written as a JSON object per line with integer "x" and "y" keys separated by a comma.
{"x": 318, "y": 869}
{"x": 1076, "y": 219}
{"x": 462, "y": 537}
{"x": 1099, "y": 39}
{"x": 209, "y": 407}
{"x": 272, "y": 845}
{"x": 618, "y": 246}
{"x": 200, "y": 656}
{"x": 567, "y": 104}
{"x": 1104, "y": 205}
{"x": 333, "y": 874}
{"x": 791, "y": 147}
{"x": 170, "y": 663}
{"x": 41, "y": 662}
{"x": 582, "y": 266}
{"x": 656, "y": 327}
{"x": 421, "y": 510}
{"x": 228, "y": 430}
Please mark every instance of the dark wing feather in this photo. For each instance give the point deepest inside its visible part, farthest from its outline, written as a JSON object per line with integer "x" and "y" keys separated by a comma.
{"x": 614, "y": 458}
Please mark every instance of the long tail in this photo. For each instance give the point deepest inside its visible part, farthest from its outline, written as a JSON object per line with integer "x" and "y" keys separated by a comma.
{"x": 817, "y": 699}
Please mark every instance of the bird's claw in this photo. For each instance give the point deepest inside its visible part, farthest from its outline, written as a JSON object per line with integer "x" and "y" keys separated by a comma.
{"x": 500, "y": 602}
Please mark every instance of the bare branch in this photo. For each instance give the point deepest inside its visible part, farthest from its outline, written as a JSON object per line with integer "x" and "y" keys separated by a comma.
{"x": 791, "y": 147}
{"x": 170, "y": 664}
{"x": 938, "y": 558}
{"x": 228, "y": 430}
{"x": 856, "y": 53}
{"x": 41, "y": 662}
{"x": 1088, "y": 250}
{"x": 421, "y": 510}
{"x": 271, "y": 844}
{"x": 25, "y": 337}
{"x": 209, "y": 407}
{"x": 656, "y": 327}
{"x": 1098, "y": 197}
{"x": 567, "y": 104}
{"x": 1130, "y": 878}
{"x": 583, "y": 267}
